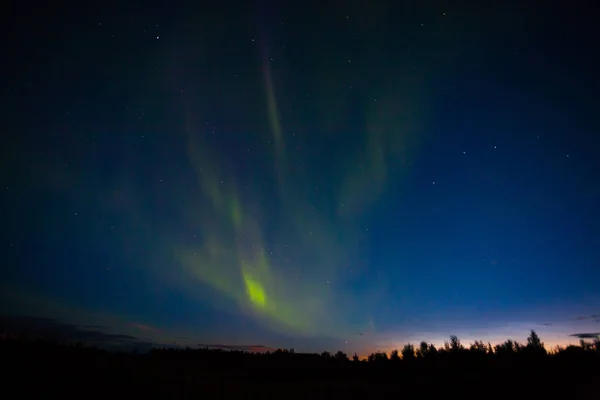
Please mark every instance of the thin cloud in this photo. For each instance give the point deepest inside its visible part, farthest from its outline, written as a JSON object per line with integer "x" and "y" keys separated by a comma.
{"x": 583, "y": 318}
{"x": 48, "y": 328}
{"x": 586, "y": 335}
{"x": 143, "y": 327}
{"x": 257, "y": 348}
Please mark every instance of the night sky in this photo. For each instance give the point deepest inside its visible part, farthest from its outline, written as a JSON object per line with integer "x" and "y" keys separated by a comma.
{"x": 339, "y": 175}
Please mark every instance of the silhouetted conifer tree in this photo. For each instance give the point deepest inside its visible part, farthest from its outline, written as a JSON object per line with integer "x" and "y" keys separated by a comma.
{"x": 408, "y": 352}
{"x": 455, "y": 344}
{"x": 341, "y": 356}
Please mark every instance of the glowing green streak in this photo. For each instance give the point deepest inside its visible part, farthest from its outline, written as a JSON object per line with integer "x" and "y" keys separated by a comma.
{"x": 256, "y": 293}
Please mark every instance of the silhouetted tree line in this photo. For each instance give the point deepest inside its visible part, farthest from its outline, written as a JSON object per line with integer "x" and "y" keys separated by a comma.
{"x": 52, "y": 368}
{"x": 452, "y": 352}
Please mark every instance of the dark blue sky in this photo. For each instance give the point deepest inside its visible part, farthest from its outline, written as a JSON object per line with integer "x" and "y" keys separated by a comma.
{"x": 319, "y": 177}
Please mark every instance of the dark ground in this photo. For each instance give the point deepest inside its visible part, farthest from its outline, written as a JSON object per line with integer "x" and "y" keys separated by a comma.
{"x": 59, "y": 371}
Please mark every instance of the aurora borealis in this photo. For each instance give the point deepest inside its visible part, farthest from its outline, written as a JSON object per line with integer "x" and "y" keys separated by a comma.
{"x": 326, "y": 177}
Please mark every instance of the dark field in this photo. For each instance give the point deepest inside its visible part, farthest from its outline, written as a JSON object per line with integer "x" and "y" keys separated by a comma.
{"x": 45, "y": 370}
